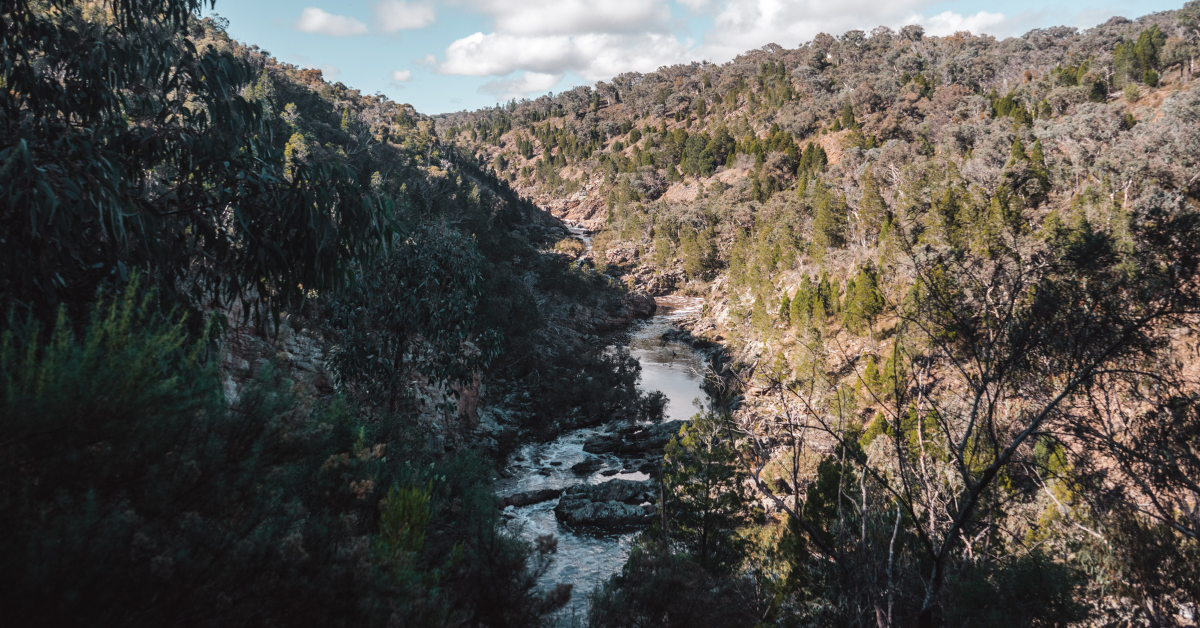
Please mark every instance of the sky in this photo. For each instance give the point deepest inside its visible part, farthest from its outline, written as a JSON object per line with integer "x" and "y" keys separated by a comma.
{"x": 449, "y": 55}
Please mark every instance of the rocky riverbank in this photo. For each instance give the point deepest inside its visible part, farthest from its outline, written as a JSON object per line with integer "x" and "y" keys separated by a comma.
{"x": 593, "y": 487}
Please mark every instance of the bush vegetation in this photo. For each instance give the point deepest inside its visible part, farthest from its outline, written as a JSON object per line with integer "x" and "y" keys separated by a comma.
{"x": 955, "y": 277}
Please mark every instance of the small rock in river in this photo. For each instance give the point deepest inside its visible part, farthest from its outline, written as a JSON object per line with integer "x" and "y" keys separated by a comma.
{"x": 531, "y": 497}
{"x": 601, "y": 444}
{"x": 588, "y": 467}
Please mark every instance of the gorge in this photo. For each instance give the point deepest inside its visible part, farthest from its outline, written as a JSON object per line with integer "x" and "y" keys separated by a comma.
{"x": 881, "y": 329}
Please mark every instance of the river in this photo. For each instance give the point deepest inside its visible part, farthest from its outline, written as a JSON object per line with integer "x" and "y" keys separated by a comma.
{"x": 587, "y": 558}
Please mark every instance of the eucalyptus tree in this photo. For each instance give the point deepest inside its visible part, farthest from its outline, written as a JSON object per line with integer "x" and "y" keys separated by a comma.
{"x": 1008, "y": 353}
{"x": 125, "y": 147}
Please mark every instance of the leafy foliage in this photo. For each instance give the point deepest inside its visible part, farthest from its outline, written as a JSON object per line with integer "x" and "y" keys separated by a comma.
{"x": 415, "y": 309}
{"x": 133, "y": 495}
{"x": 126, "y": 147}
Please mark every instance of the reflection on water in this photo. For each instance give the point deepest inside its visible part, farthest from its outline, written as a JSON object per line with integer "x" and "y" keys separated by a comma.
{"x": 588, "y": 558}
{"x": 669, "y": 366}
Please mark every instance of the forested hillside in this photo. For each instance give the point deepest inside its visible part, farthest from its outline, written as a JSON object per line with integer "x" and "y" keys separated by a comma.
{"x": 266, "y": 340}
{"x": 956, "y": 281}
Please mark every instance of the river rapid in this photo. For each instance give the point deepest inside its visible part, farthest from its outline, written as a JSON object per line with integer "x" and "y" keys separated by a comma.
{"x": 587, "y": 558}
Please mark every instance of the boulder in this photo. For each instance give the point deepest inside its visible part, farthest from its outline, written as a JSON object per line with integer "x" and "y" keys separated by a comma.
{"x": 640, "y": 305}
{"x": 649, "y": 467}
{"x": 602, "y": 444}
{"x": 624, "y": 256}
{"x": 616, "y": 503}
{"x": 651, "y": 438}
{"x": 531, "y": 497}
{"x": 634, "y": 439}
{"x": 588, "y": 467}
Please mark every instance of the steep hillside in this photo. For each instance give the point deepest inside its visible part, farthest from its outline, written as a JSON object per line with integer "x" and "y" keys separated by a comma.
{"x": 944, "y": 270}
{"x": 267, "y": 340}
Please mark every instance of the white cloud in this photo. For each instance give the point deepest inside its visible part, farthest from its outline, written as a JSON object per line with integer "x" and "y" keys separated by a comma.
{"x": 518, "y": 86}
{"x": 314, "y": 20}
{"x": 401, "y": 76}
{"x": 330, "y": 72}
{"x": 576, "y": 17}
{"x": 593, "y": 56}
{"x": 550, "y": 38}
{"x": 948, "y": 23}
{"x": 395, "y": 15}
{"x": 605, "y": 39}
{"x": 741, "y": 25}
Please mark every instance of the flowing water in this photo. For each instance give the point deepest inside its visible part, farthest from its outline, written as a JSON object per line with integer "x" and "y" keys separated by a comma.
{"x": 588, "y": 557}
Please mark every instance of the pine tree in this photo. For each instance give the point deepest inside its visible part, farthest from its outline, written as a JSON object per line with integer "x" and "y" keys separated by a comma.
{"x": 868, "y": 298}
{"x": 893, "y": 379}
{"x": 1018, "y": 151}
{"x": 847, "y": 119}
{"x": 848, "y": 298}
{"x": 706, "y": 500}
{"x": 829, "y": 221}
{"x": 785, "y": 309}
{"x": 262, "y": 91}
{"x": 1037, "y": 156}
{"x": 823, "y": 306}
{"x": 802, "y": 302}
{"x": 870, "y": 388}
{"x": 873, "y": 210}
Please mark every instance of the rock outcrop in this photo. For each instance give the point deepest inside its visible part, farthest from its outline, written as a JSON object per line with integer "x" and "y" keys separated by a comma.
{"x": 587, "y": 467}
{"x": 656, "y": 282}
{"x": 634, "y": 440}
{"x": 640, "y": 305}
{"x": 531, "y": 497}
{"x": 612, "y": 504}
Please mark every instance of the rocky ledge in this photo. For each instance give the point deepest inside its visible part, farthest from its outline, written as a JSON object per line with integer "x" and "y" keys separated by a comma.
{"x": 531, "y": 497}
{"x": 634, "y": 439}
{"x": 612, "y": 504}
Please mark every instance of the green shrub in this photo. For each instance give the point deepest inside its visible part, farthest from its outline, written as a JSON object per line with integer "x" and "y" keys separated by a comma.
{"x": 1131, "y": 92}
{"x": 133, "y": 493}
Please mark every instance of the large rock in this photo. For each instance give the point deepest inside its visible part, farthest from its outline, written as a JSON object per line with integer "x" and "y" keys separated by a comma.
{"x": 602, "y": 444}
{"x": 634, "y": 439}
{"x": 626, "y": 256}
{"x": 531, "y": 497}
{"x": 651, "y": 438}
{"x": 616, "y": 503}
{"x": 588, "y": 467}
{"x": 640, "y": 305}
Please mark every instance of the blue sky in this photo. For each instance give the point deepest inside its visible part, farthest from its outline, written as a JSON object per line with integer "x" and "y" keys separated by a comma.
{"x": 447, "y": 55}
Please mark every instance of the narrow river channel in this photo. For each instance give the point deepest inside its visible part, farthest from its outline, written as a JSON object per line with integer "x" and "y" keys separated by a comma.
{"x": 586, "y": 558}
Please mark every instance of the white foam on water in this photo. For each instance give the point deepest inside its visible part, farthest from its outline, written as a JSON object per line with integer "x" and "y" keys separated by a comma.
{"x": 587, "y": 558}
